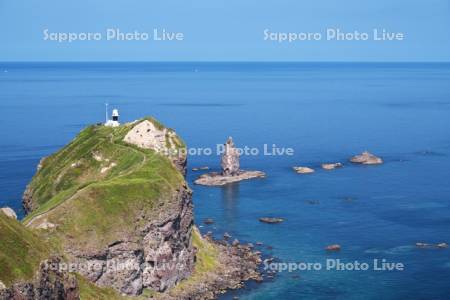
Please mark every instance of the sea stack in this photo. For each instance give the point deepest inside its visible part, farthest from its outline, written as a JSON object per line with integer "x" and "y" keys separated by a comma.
{"x": 231, "y": 171}
{"x": 230, "y": 159}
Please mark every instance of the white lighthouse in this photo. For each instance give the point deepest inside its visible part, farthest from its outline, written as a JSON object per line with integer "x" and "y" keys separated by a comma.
{"x": 114, "y": 122}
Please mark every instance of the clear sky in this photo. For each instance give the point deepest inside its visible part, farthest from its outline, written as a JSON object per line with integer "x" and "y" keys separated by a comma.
{"x": 224, "y": 30}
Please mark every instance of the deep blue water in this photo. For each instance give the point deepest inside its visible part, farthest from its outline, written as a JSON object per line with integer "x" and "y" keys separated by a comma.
{"x": 325, "y": 112}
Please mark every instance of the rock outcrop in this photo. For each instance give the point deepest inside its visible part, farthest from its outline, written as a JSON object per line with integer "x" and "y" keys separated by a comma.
{"x": 230, "y": 159}
{"x": 303, "y": 170}
{"x": 149, "y": 134}
{"x": 27, "y": 200}
{"x": 26, "y": 266}
{"x": 231, "y": 171}
{"x": 366, "y": 158}
{"x": 269, "y": 220}
{"x": 431, "y": 246}
{"x": 332, "y": 166}
{"x": 9, "y": 212}
{"x": 233, "y": 265}
{"x": 159, "y": 256}
{"x": 334, "y": 247}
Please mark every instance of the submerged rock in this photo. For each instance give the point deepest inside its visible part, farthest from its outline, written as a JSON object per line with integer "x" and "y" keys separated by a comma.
{"x": 271, "y": 220}
{"x": 313, "y": 202}
{"x": 366, "y": 158}
{"x": 332, "y": 166}
{"x": 9, "y": 212}
{"x": 430, "y": 246}
{"x": 303, "y": 170}
{"x": 208, "y": 221}
{"x": 334, "y": 247}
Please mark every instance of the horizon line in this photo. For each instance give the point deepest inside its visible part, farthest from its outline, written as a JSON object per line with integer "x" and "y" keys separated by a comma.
{"x": 224, "y": 61}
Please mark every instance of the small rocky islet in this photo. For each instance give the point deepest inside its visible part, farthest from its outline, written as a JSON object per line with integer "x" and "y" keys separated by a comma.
{"x": 431, "y": 246}
{"x": 365, "y": 158}
{"x": 231, "y": 171}
{"x": 332, "y": 166}
{"x": 271, "y": 220}
{"x": 303, "y": 170}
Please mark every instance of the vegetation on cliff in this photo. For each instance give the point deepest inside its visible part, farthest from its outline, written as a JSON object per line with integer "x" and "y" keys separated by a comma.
{"x": 94, "y": 188}
{"x": 21, "y": 251}
{"x": 113, "y": 194}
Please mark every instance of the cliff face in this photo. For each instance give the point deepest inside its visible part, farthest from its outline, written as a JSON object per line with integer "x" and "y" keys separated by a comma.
{"x": 157, "y": 256}
{"x": 115, "y": 202}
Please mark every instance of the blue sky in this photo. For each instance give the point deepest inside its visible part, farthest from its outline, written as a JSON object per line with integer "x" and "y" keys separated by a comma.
{"x": 224, "y": 30}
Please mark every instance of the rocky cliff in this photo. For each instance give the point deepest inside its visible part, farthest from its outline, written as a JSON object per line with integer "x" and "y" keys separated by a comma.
{"x": 115, "y": 202}
{"x": 112, "y": 215}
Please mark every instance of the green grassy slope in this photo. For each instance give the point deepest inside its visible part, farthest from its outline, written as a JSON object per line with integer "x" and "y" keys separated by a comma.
{"x": 21, "y": 251}
{"x": 94, "y": 188}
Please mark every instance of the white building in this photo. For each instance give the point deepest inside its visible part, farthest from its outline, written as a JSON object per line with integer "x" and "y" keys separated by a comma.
{"x": 114, "y": 122}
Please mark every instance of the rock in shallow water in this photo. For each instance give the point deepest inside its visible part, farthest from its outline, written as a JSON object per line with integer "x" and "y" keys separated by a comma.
{"x": 208, "y": 221}
{"x": 303, "y": 170}
{"x": 230, "y": 169}
{"x": 366, "y": 158}
{"x": 334, "y": 247}
{"x": 332, "y": 166}
{"x": 271, "y": 220}
{"x": 429, "y": 246}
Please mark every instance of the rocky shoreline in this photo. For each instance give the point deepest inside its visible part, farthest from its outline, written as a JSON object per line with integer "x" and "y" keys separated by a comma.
{"x": 158, "y": 230}
{"x": 236, "y": 265}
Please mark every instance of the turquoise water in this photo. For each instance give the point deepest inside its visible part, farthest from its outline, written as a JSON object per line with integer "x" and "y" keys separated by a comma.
{"x": 325, "y": 112}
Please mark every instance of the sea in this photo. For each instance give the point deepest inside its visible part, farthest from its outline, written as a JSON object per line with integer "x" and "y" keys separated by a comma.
{"x": 280, "y": 115}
